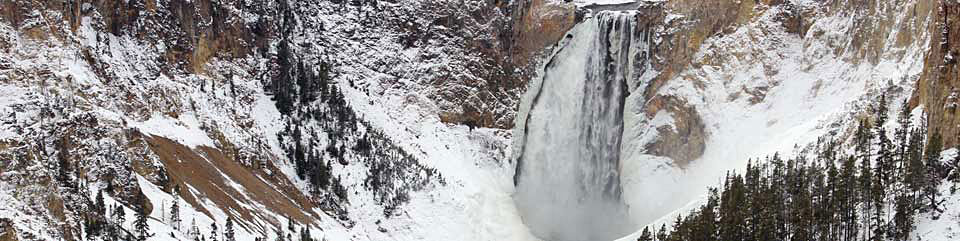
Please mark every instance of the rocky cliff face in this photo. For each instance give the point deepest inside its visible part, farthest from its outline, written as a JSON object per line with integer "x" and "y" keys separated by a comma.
{"x": 688, "y": 26}
{"x": 508, "y": 39}
{"x": 742, "y": 79}
{"x": 229, "y": 99}
{"x": 87, "y": 87}
{"x": 97, "y": 95}
{"x": 937, "y": 88}
{"x": 193, "y": 32}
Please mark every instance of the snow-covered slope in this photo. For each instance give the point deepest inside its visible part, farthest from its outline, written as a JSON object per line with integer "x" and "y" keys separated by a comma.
{"x": 761, "y": 90}
{"x": 137, "y": 106}
{"x": 380, "y": 101}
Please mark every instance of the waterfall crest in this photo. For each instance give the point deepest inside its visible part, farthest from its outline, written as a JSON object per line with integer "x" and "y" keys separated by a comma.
{"x": 570, "y": 130}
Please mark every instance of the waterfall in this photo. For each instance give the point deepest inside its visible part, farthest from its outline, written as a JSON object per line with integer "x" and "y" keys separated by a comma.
{"x": 570, "y": 128}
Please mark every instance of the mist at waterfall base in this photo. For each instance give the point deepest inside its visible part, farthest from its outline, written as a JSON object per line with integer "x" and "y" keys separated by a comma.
{"x": 568, "y": 181}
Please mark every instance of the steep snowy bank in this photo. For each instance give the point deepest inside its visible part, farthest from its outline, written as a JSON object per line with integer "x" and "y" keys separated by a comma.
{"x": 777, "y": 93}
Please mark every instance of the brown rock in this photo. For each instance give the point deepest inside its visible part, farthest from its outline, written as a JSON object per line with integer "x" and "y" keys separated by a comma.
{"x": 684, "y": 143}
{"x": 937, "y": 88}
{"x": 533, "y": 27}
{"x": 7, "y": 231}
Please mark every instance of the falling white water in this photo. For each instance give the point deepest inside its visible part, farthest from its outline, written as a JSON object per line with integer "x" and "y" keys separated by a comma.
{"x": 570, "y": 130}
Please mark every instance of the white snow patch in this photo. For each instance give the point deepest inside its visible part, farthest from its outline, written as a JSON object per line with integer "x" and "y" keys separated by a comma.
{"x": 185, "y": 130}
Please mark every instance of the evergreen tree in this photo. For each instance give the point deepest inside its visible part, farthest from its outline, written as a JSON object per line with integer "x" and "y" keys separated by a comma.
{"x": 228, "y": 234}
{"x": 732, "y": 218}
{"x": 678, "y": 233}
{"x": 934, "y": 173}
{"x": 284, "y": 86}
{"x": 175, "y": 209}
{"x": 883, "y": 171}
{"x": 141, "y": 228}
{"x": 112, "y": 227}
{"x": 120, "y": 215}
{"x": 194, "y": 230}
{"x": 878, "y": 192}
{"x": 100, "y": 206}
{"x": 305, "y": 233}
{"x": 902, "y": 136}
{"x": 213, "y": 232}
{"x": 645, "y": 235}
{"x": 915, "y": 169}
{"x": 903, "y": 218}
{"x": 954, "y": 174}
{"x": 820, "y": 199}
{"x": 63, "y": 171}
{"x": 662, "y": 233}
{"x": 90, "y": 227}
{"x": 291, "y": 225}
{"x": 95, "y": 220}
{"x": 706, "y": 227}
{"x": 885, "y": 157}
{"x": 847, "y": 199}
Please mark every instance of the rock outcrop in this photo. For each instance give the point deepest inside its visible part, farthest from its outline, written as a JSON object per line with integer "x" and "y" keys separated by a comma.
{"x": 514, "y": 37}
{"x": 938, "y": 88}
{"x": 682, "y": 141}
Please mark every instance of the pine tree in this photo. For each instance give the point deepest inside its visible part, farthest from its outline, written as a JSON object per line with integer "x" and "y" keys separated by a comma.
{"x": 645, "y": 235}
{"x": 865, "y": 182}
{"x": 175, "y": 215}
{"x": 902, "y": 136}
{"x": 194, "y": 230}
{"x": 175, "y": 208}
{"x": 662, "y": 233}
{"x": 820, "y": 200}
{"x": 878, "y": 192}
{"x": 284, "y": 85}
{"x": 678, "y": 233}
{"x": 954, "y": 174}
{"x": 916, "y": 171}
{"x": 112, "y": 232}
{"x": 803, "y": 210}
{"x": 732, "y": 215}
{"x": 228, "y": 230}
{"x": 885, "y": 157}
{"x": 90, "y": 227}
{"x": 847, "y": 199}
{"x": 883, "y": 171}
{"x": 95, "y": 220}
{"x": 101, "y": 207}
{"x": 141, "y": 228}
{"x": 706, "y": 225}
{"x": 213, "y": 232}
{"x": 934, "y": 173}
{"x": 291, "y": 225}
{"x": 63, "y": 172}
{"x": 120, "y": 215}
{"x": 305, "y": 233}
{"x": 903, "y": 218}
